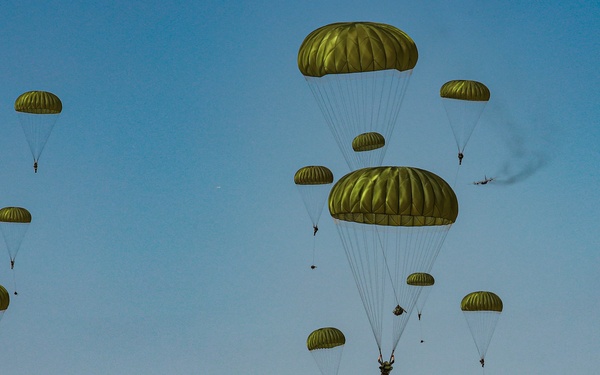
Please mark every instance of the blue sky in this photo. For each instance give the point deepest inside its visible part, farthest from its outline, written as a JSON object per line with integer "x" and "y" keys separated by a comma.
{"x": 167, "y": 233}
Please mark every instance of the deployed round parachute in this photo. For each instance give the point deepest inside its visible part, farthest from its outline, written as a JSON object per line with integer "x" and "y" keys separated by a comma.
{"x": 4, "y": 300}
{"x": 420, "y": 281}
{"x": 313, "y": 184}
{"x": 481, "y": 310}
{"x": 464, "y": 102}
{"x": 38, "y": 112}
{"x": 326, "y": 345}
{"x": 392, "y": 222}
{"x": 14, "y": 222}
{"x": 364, "y": 146}
{"x": 358, "y": 72}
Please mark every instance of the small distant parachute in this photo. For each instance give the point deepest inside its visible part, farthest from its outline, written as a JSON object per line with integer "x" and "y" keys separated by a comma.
{"x": 464, "y": 101}
{"x": 4, "y": 300}
{"x": 481, "y": 310}
{"x": 38, "y": 112}
{"x": 368, "y": 148}
{"x": 392, "y": 222}
{"x": 358, "y": 73}
{"x": 313, "y": 184}
{"x": 421, "y": 281}
{"x": 14, "y": 222}
{"x": 326, "y": 346}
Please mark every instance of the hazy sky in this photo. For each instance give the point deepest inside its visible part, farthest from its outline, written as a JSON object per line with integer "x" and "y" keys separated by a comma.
{"x": 168, "y": 236}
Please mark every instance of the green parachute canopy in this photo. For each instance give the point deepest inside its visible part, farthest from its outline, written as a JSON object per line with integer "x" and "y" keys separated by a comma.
{"x": 465, "y": 90}
{"x": 368, "y": 141}
{"x": 38, "y": 102}
{"x": 325, "y": 338}
{"x": 354, "y": 47}
{"x": 481, "y": 301}
{"x": 313, "y": 175}
{"x": 4, "y": 299}
{"x": 394, "y": 196}
{"x": 14, "y": 215}
{"x": 420, "y": 279}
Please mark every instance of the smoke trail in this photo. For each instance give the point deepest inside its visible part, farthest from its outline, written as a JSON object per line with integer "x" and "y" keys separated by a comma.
{"x": 528, "y": 143}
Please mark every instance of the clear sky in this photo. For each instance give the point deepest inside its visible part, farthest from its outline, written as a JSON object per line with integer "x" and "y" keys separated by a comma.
{"x": 168, "y": 236}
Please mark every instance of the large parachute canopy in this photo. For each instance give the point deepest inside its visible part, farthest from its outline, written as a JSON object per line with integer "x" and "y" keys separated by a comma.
{"x": 464, "y": 102}
{"x": 14, "y": 222}
{"x": 392, "y": 222}
{"x": 326, "y": 345}
{"x": 481, "y": 310}
{"x": 38, "y": 111}
{"x": 358, "y": 72}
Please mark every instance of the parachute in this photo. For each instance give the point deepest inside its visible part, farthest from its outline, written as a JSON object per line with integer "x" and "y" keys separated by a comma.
{"x": 421, "y": 283}
{"x": 464, "y": 102}
{"x": 392, "y": 222}
{"x": 4, "y": 300}
{"x": 481, "y": 310}
{"x": 14, "y": 222}
{"x": 419, "y": 280}
{"x": 313, "y": 184}
{"x": 365, "y": 146}
{"x": 326, "y": 345}
{"x": 38, "y": 112}
{"x": 358, "y": 73}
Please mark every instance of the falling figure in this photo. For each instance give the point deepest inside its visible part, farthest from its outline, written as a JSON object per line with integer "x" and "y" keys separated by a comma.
{"x": 460, "y": 158}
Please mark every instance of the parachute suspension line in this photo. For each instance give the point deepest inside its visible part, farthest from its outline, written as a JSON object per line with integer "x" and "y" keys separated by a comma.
{"x": 455, "y": 176}
{"x": 425, "y": 243}
{"x": 365, "y": 266}
{"x": 353, "y": 104}
{"x": 14, "y": 282}
{"x": 387, "y": 268}
{"x": 313, "y": 265}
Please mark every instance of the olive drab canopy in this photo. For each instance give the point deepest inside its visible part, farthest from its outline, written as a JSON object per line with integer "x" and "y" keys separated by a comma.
{"x": 15, "y": 215}
{"x": 313, "y": 175}
{"x": 38, "y": 111}
{"x": 14, "y": 222}
{"x": 464, "y": 102}
{"x": 392, "y": 222}
{"x": 481, "y": 310}
{"x": 367, "y": 142}
{"x": 420, "y": 279}
{"x": 481, "y": 301}
{"x": 326, "y": 345}
{"x": 39, "y": 103}
{"x": 4, "y": 299}
{"x": 354, "y": 47}
{"x": 358, "y": 72}
{"x": 325, "y": 338}
{"x": 465, "y": 90}
{"x": 395, "y": 196}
